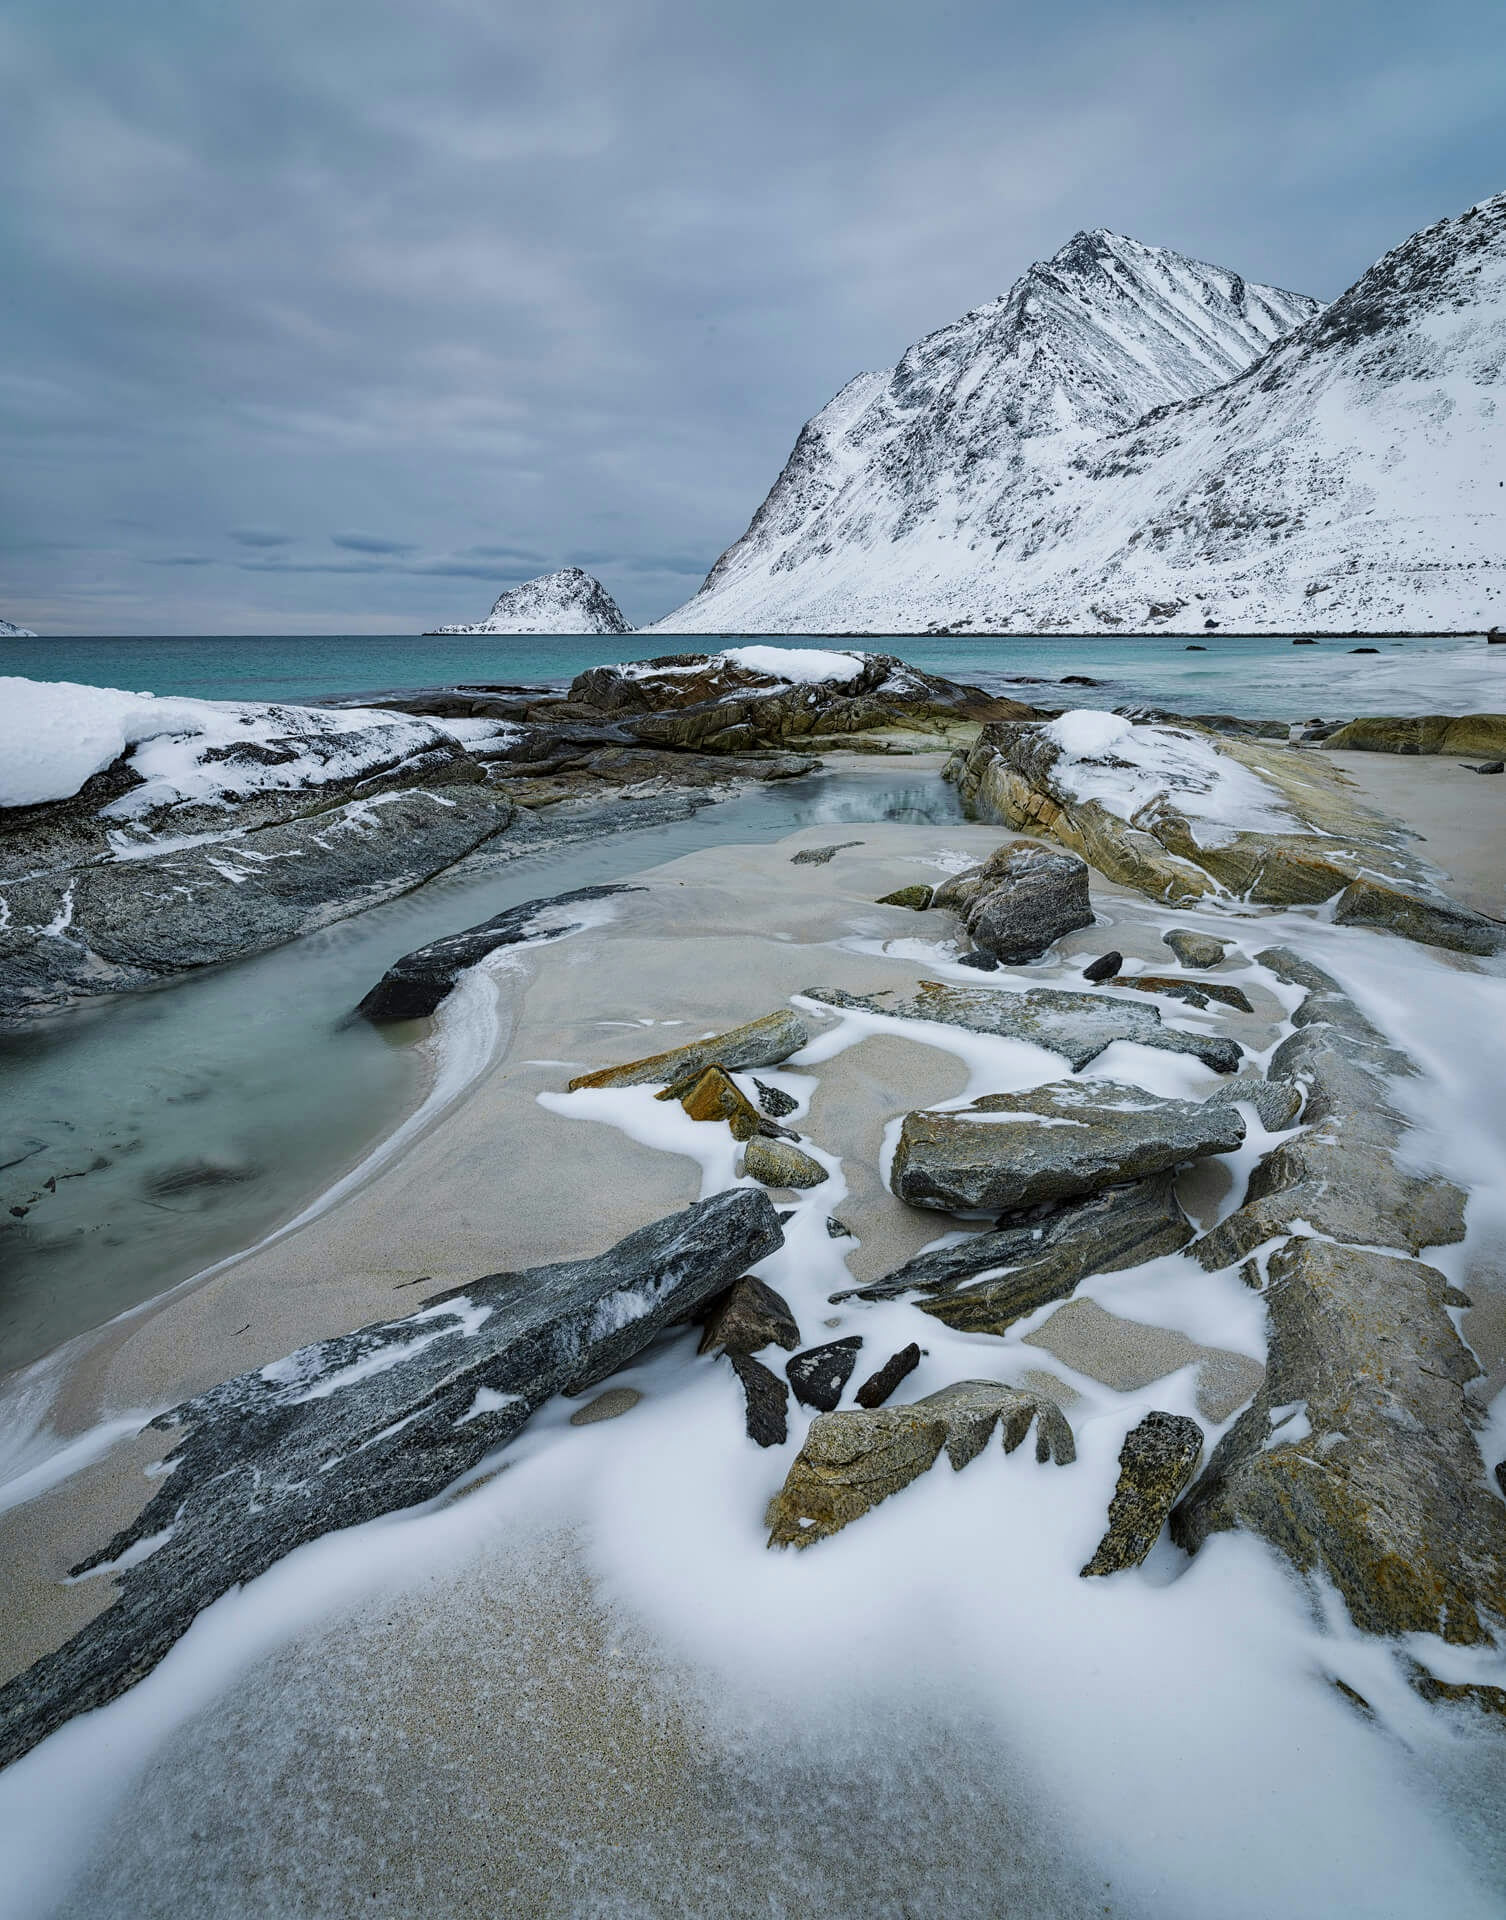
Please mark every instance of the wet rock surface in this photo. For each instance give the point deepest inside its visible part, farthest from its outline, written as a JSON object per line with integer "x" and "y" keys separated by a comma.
{"x": 820, "y": 1373}
{"x": 1156, "y": 1462}
{"x": 414, "y": 986}
{"x": 1009, "y": 1150}
{"x": 751, "y": 1317}
{"x": 1196, "y": 993}
{"x": 367, "y": 1423}
{"x": 761, "y": 1043}
{"x": 1079, "y": 1026}
{"x": 766, "y": 1400}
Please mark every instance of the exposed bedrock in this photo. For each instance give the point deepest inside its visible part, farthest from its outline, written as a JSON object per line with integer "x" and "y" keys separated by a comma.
{"x": 1021, "y": 900}
{"x": 1009, "y": 1150}
{"x": 1078, "y": 1026}
{"x": 362, "y": 1425}
{"x": 414, "y": 986}
{"x": 990, "y": 1281}
{"x": 1483, "y": 733}
{"x": 1018, "y": 774}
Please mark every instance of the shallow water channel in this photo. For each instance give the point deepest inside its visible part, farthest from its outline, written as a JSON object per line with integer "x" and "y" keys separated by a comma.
{"x": 149, "y": 1135}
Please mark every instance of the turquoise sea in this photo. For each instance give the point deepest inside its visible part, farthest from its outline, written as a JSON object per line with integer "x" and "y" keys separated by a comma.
{"x": 1263, "y": 678}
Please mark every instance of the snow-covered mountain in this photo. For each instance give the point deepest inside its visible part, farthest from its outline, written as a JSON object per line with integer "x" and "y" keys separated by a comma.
{"x": 569, "y": 601}
{"x": 9, "y": 632}
{"x": 906, "y": 496}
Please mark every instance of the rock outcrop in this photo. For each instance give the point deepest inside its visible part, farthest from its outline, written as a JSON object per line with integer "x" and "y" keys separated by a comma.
{"x": 1053, "y": 1143}
{"x": 569, "y": 601}
{"x": 1481, "y": 733}
{"x": 362, "y": 1425}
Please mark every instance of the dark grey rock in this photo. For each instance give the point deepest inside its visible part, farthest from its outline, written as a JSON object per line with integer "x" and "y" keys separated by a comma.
{"x": 1487, "y": 766}
{"x": 1052, "y": 1143}
{"x": 1031, "y": 895}
{"x": 836, "y": 1230}
{"x": 766, "y": 1400}
{"x": 774, "y": 1100}
{"x": 987, "y": 1283}
{"x": 414, "y": 986}
{"x": 1357, "y": 1458}
{"x": 877, "y": 1388}
{"x": 820, "y": 1373}
{"x": 1076, "y": 1025}
{"x": 984, "y": 962}
{"x": 1157, "y": 1460}
{"x": 1104, "y": 967}
{"x": 821, "y": 856}
{"x": 748, "y": 1318}
{"x": 1195, "y": 949}
{"x": 331, "y": 1437}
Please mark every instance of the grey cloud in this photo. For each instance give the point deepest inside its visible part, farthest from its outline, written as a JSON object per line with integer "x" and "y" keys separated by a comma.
{"x": 369, "y": 543}
{"x": 252, "y": 537}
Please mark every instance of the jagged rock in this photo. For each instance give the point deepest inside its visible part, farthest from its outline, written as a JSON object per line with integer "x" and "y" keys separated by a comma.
{"x": 877, "y": 1388}
{"x": 766, "y": 1400}
{"x": 1052, "y": 1143}
{"x": 916, "y": 898}
{"x": 1466, "y": 1693}
{"x": 775, "y": 1101}
{"x": 1157, "y": 1460}
{"x": 362, "y": 1425}
{"x": 972, "y": 1408}
{"x": 712, "y": 1094}
{"x": 987, "y": 1283}
{"x": 413, "y": 987}
{"x": 1276, "y": 1102}
{"x": 1104, "y": 967}
{"x": 606, "y": 1406}
{"x": 1076, "y": 1025}
{"x": 1195, "y": 949}
{"x": 751, "y": 1317}
{"x": 820, "y": 1373}
{"x": 1030, "y": 896}
{"x": 837, "y": 1229}
{"x": 849, "y": 1463}
{"x": 761, "y": 1043}
{"x": 776, "y": 1163}
{"x": 821, "y": 856}
{"x": 1357, "y": 1458}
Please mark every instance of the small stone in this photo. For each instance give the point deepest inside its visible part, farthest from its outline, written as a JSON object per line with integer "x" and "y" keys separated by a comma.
{"x": 836, "y": 1229}
{"x": 916, "y": 898}
{"x": 774, "y": 1100}
{"x": 606, "y": 1406}
{"x": 1195, "y": 949}
{"x": 1104, "y": 967}
{"x": 877, "y": 1388}
{"x": 713, "y": 1094}
{"x": 1157, "y": 1460}
{"x": 819, "y": 856}
{"x": 984, "y": 962}
{"x": 767, "y": 1400}
{"x": 820, "y": 1373}
{"x": 775, "y": 1163}
{"x": 749, "y": 1317}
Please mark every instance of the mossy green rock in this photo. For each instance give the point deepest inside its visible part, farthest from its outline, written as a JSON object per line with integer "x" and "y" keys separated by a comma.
{"x": 1157, "y": 1460}
{"x": 916, "y": 898}
{"x": 775, "y": 1163}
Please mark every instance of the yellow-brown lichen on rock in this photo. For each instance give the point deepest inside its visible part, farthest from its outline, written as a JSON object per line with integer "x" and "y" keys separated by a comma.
{"x": 761, "y": 1043}
{"x": 712, "y": 1094}
{"x": 849, "y": 1463}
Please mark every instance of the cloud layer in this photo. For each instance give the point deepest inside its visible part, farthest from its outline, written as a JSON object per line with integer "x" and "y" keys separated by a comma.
{"x": 345, "y": 318}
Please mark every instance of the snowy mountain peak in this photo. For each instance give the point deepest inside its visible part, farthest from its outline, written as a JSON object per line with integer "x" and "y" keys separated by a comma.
{"x": 965, "y": 425}
{"x": 569, "y": 601}
{"x": 9, "y": 632}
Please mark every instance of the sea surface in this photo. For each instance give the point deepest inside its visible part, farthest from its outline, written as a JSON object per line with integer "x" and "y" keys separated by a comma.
{"x": 1262, "y": 678}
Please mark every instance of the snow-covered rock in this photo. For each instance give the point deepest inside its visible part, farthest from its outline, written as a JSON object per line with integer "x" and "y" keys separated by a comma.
{"x": 908, "y": 499}
{"x": 569, "y": 601}
{"x": 9, "y": 631}
{"x": 1118, "y": 445}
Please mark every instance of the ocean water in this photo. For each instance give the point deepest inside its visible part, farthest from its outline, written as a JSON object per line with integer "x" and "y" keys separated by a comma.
{"x": 1262, "y": 678}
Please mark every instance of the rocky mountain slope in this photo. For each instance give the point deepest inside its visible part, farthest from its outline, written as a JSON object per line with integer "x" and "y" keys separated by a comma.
{"x": 8, "y": 631}
{"x": 1131, "y": 440}
{"x": 569, "y": 601}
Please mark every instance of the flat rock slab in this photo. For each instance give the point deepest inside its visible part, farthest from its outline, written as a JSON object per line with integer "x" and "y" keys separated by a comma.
{"x": 610, "y": 1405}
{"x": 761, "y": 1043}
{"x": 1011, "y": 1150}
{"x": 413, "y": 987}
{"x": 1156, "y": 1462}
{"x": 987, "y": 1283}
{"x": 1076, "y": 1025}
{"x": 820, "y": 1373}
{"x": 1128, "y": 1355}
{"x": 356, "y": 1427}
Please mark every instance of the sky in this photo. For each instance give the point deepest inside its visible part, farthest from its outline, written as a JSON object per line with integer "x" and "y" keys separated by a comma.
{"x": 342, "y": 319}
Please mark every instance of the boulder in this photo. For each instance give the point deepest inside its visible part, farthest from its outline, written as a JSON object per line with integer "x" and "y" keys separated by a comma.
{"x": 990, "y": 1281}
{"x": 1429, "y": 733}
{"x": 766, "y": 1400}
{"x": 712, "y": 1094}
{"x": 761, "y": 1043}
{"x": 877, "y": 1388}
{"x": 1076, "y": 1025}
{"x": 1358, "y": 1459}
{"x": 1031, "y": 895}
{"x": 1195, "y": 949}
{"x": 820, "y": 1373}
{"x": 776, "y": 1163}
{"x": 748, "y": 1318}
{"x": 916, "y": 898}
{"x": 359, "y": 1426}
{"x": 1157, "y": 1460}
{"x": 1276, "y": 1102}
{"x": 414, "y": 986}
{"x": 1427, "y": 917}
{"x": 972, "y": 1408}
{"x": 849, "y": 1463}
{"x": 1009, "y": 1150}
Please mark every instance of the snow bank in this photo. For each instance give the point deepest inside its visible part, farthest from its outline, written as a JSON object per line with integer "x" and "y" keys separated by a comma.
{"x": 801, "y": 666}
{"x": 1125, "y": 767}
